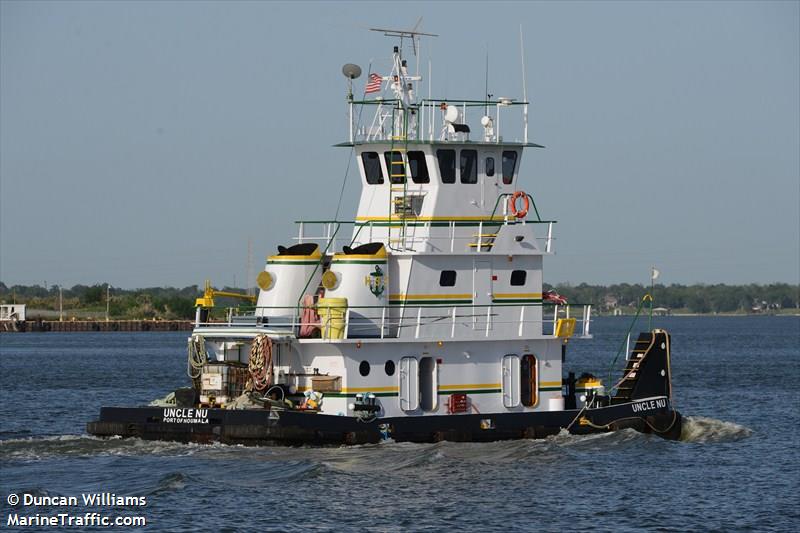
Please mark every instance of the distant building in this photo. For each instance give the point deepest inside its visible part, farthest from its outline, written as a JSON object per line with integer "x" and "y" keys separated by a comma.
{"x": 610, "y": 302}
{"x": 662, "y": 311}
{"x": 12, "y": 312}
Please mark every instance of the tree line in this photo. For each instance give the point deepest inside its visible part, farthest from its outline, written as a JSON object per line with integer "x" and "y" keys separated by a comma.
{"x": 178, "y": 303}
{"x": 699, "y": 298}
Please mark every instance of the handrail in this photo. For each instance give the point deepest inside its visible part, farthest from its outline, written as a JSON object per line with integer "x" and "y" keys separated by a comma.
{"x": 436, "y": 306}
{"x": 423, "y": 101}
{"x": 416, "y": 323}
{"x": 533, "y": 203}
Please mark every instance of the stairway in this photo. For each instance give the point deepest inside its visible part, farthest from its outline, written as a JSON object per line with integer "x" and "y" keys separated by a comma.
{"x": 647, "y": 373}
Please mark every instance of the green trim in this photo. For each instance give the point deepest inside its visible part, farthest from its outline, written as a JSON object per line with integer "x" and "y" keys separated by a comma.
{"x": 516, "y": 300}
{"x": 381, "y": 261}
{"x": 290, "y": 262}
{"x": 353, "y": 394}
{"x": 469, "y": 391}
{"x": 549, "y": 389}
{"x": 433, "y": 224}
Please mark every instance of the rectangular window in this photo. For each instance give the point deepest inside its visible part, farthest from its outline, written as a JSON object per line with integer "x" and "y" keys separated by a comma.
{"x": 490, "y": 166}
{"x": 447, "y": 278}
{"x": 469, "y": 166}
{"x": 518, "y": 277}
{"x": 447, "y": 165}
{"x": 372, "y": 168}
{"x": 395, "y": 166}
{"x": 509, "y": 165}
{"x": 418, "y": 167}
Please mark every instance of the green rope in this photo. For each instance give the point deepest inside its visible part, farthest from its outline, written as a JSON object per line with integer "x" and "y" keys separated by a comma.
{"x": 645, "y": 298}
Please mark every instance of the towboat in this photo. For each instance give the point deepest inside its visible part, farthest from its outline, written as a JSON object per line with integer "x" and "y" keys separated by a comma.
{"x": 423, "y": 319}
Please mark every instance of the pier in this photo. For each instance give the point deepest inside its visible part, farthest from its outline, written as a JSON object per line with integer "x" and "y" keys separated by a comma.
{"x": 95, "y": 325}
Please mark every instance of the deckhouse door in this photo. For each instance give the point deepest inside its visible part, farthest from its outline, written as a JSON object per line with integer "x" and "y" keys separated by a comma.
{"x": 409, "y": 384}
{"x": 482, "y": 294}
{"x": 510, "y": 380}
{"x": 489, "y": 186}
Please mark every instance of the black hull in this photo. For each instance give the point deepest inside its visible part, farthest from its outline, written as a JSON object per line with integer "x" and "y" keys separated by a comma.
{"x": 264, "y": 427}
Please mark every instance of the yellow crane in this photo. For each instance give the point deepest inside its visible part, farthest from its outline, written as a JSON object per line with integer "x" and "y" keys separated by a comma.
{"x": 207, "y": 300}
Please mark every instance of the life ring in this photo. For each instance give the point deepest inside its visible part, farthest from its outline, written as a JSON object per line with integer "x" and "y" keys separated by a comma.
{"x": 512, "y": 204}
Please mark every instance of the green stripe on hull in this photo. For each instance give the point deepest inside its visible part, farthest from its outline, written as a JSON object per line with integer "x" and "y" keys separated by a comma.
{"x": 516, "y": 301}
{"x": 359, "y": 261}
{"x": 478, "y": 391}
{"x": 413, "y": 303}
{"x": 353, "y": 394}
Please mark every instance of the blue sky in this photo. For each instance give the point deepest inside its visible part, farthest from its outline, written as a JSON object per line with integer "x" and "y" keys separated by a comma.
{"x": 144, "y": 143}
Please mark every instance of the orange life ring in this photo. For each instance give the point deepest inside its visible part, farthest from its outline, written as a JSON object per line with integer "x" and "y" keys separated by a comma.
{"x": 512, "y": 204}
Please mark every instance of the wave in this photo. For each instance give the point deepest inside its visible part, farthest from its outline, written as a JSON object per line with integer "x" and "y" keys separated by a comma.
{"x": 33, "y": 448}
{"x": 699, "y": 429}
{"x": 390, "y": 456}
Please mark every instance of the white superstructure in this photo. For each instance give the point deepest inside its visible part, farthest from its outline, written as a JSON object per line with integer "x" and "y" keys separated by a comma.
{"x": 438, "y": 279}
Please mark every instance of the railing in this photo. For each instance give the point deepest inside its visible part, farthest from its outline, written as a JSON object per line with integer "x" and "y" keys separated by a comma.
{"x": 449, "y": 240}
{"x": 415, "y": 322}
{"x": 423, "y": 124}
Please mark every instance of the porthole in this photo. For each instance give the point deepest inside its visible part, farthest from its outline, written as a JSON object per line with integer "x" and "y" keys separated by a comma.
{"x": 363, "y": 368}
{"x": 389, "y": 367}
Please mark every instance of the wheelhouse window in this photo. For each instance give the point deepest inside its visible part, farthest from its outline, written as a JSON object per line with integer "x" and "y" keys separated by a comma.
{"x": 372, "y": 168}
{"x": 447, "y": 278}
{"x": 490, "y": 166}
{"x": 509, "y": 165}
{"x": 518, "y": 277}
{"x": 447, "y": 165}
{"x": 395, "y": 166}
{"x": 528, "y": 380}
{"x": 469, "y": 166}
{"x": 418, "y": 167}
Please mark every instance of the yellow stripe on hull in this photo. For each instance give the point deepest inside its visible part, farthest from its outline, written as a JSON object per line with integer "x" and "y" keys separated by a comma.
{"x": 517, "y": 295}
{"x": 430, "y": 296}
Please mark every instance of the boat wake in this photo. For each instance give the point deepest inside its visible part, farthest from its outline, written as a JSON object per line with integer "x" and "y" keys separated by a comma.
{"x": 696, "y": 429}
{"x": 699, "y": 429}
{"x": 33, "y": 448}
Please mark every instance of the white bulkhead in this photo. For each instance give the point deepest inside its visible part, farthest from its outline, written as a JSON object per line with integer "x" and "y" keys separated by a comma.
{"x": 442, "y": 274}
{"x": 291, "y": 274}
{"x": 360, "y": 275}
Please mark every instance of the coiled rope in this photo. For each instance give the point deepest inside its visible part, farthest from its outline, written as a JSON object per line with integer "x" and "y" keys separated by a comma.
{"x": 260, "y": 366}
{"x": 197, "y": 356}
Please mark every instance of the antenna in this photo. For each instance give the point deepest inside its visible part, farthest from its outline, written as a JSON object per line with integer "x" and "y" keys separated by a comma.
{"x": 350, "y": 72}
{"x": 486, "y": 89}
{"x": 412, "y": 34}
{"x": 249, "y": 282}
{"x": 524, "y": 87}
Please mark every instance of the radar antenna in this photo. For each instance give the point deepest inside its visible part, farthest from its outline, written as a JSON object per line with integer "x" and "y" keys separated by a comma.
{"x": 412, "y": 34}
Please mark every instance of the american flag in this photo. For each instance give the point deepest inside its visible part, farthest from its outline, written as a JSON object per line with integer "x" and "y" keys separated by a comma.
{"x": 374, "y": 84}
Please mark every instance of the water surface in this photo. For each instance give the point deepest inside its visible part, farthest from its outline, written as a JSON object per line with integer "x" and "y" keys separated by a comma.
{"x": 736, "y": 379}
